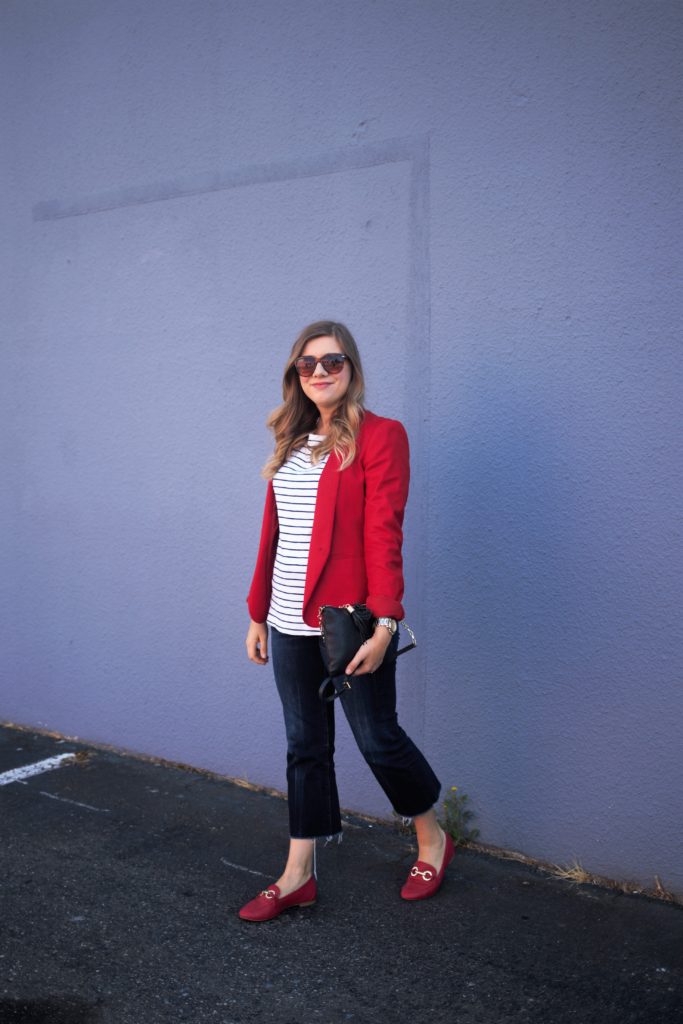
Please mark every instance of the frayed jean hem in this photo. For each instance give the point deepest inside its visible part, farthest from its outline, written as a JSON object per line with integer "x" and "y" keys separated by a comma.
{"x": 328, "y": 839}
{"x": 407, "y": 819}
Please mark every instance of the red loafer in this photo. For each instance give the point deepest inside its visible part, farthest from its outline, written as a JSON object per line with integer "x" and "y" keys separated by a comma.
{"x": 269, "y": 903}
{"x": 424, "y": 880}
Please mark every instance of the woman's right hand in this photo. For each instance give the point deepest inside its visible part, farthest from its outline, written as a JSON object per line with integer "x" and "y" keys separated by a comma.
{"x": 257, "y": 642}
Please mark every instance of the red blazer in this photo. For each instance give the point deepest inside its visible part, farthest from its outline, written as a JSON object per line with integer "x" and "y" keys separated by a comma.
{"x": 355, "y": 554}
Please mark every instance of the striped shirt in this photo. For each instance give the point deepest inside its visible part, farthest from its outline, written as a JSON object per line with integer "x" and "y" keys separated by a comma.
{"x": 296, "y": 487}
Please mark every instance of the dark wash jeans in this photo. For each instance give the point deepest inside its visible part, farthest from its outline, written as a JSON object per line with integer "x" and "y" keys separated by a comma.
{"x": 370, "y": 707}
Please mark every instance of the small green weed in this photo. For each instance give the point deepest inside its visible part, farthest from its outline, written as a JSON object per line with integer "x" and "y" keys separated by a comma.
{"x": 457, "y": 816}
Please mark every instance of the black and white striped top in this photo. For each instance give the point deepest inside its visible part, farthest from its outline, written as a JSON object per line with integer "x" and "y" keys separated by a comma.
{"x": 296, "y": 487}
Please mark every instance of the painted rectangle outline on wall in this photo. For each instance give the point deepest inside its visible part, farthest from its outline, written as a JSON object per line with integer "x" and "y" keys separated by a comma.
{"x": 415, "y": 151}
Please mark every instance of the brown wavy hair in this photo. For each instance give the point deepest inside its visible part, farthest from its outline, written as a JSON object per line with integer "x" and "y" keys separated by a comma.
{"x": 296, "y": 418}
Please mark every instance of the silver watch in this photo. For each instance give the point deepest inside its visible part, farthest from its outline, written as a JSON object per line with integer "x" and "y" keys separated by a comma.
{"x": 391, "y": 624}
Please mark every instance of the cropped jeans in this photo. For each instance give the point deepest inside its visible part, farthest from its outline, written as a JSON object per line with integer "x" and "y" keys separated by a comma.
{"x": 370, "y": 708}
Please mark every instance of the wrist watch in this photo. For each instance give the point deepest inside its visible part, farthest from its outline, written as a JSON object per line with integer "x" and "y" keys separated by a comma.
{"x": 390, "y": 624}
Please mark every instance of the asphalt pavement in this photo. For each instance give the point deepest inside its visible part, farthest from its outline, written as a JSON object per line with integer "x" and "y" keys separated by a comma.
{"x": 121, "y": 879}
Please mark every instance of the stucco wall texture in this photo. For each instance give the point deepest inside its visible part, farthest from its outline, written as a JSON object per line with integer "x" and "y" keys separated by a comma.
{"x": 489, "y": 195}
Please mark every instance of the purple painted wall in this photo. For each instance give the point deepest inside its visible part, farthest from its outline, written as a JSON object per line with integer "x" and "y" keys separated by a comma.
{"x": 488, "y": 194}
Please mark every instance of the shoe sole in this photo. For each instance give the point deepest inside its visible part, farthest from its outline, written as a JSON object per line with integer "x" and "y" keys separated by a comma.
{"x": 261, "y": 920}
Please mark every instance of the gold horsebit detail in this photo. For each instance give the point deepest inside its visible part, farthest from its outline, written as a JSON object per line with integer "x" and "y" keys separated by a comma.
{"x": 427, "y": 875}
{"x": 268, "y": 893}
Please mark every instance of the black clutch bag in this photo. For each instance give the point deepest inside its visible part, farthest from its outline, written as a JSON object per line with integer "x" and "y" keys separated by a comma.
{"x": 344, "y": 629}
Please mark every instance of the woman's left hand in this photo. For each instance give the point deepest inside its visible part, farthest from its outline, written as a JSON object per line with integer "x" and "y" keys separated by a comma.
{"x": 370, "y": 655}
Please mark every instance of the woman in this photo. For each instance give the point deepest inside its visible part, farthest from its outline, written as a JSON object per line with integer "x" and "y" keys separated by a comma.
{"x": 332, "y": 534}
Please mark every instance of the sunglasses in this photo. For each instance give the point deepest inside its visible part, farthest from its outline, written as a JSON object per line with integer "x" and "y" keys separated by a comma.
{"x": 331, "y": 363}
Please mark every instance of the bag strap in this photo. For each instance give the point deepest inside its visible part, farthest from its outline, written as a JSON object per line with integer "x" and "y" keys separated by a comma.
{"x": 340, "y": 684}
{"x": 413, "y": 641}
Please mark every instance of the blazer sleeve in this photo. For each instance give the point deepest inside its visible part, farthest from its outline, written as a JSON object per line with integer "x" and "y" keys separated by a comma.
{"x": 258, "y": 598}
{"x": 387, "y": 475}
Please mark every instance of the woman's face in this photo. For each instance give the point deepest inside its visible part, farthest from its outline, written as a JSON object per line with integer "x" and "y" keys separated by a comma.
{"x": 325, "y": 389}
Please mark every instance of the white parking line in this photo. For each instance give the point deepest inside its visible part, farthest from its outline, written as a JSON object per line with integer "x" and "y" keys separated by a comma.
{"x": 241, "y": 868}
{"x": 16, "y": 774}
{"x": 77, "y": 803}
